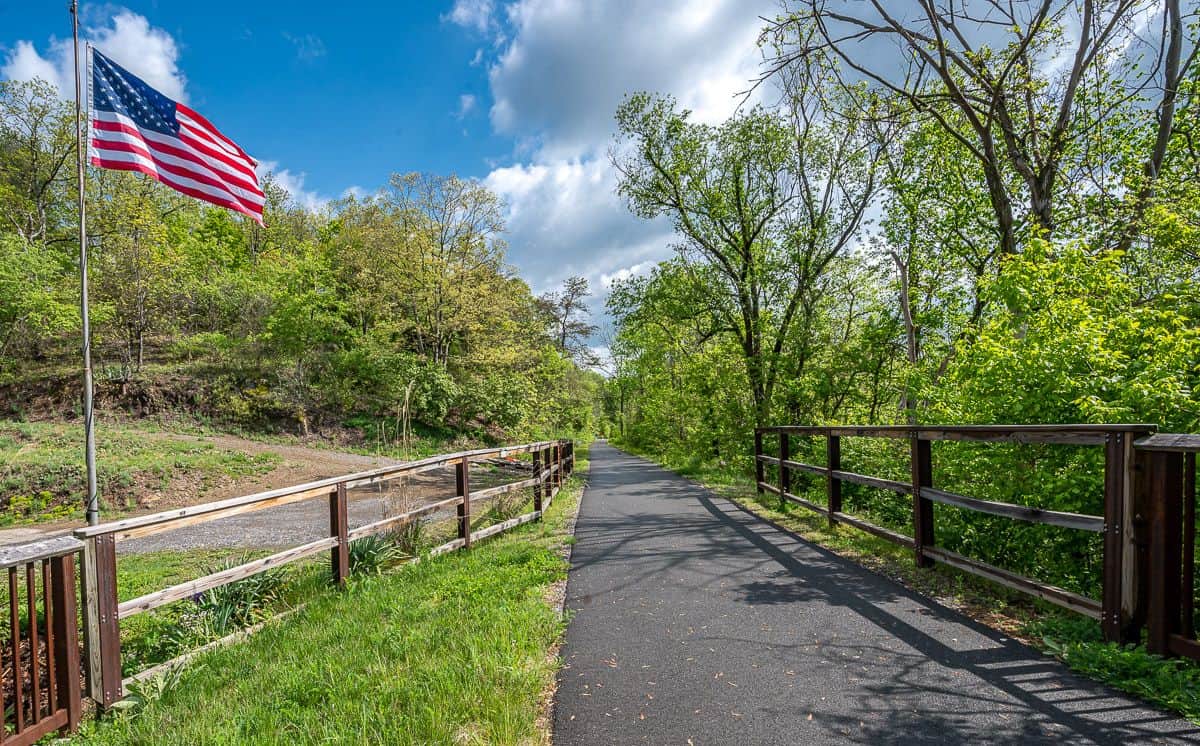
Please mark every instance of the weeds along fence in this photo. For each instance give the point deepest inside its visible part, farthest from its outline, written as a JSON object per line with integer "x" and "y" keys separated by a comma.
{"x": 1148, "y": 526}
{"x": 44, "y": 665}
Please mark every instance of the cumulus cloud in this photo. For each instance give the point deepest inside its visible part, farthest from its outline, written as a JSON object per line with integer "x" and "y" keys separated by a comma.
{"x": 565, "y": 219}
{"x": 562, "y": 68}
{"x": 570, "y": 62}
{"x": 24, "y": 63}
{"x": 148, "y": 52}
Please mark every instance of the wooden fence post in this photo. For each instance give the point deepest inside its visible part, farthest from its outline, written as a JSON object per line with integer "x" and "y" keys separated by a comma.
{"x": 759, "y": 474}
{"x": 1188, "y": 582}
{"x": 66, "y": 639}
{"x": 558, "y": 461}
{"x": 1164, "y": 475}
{"x": 785, "y": 475}
{"x": 1119, "y": 617}
{"x": 462, "y": 479}
{"x": 102, "y": 630}
{"x": 833, "y": 486}
{"x": 547, "y": 476}
{"x": 922, "y": 476}
{"x": 537, "y": 475}
{"x": 339, "y": 528}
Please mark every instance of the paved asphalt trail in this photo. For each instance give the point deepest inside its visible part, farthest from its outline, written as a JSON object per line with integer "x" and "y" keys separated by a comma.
{"x": 699, "y": 623}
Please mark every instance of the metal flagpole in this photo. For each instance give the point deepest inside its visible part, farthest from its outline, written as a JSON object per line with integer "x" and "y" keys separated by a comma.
{"x": 89, "y": 430}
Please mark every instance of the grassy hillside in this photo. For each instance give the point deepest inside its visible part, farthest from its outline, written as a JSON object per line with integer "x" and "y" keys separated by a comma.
{"x": 42, "y": 476}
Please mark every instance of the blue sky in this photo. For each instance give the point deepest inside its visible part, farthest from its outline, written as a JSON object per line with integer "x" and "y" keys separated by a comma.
{"x": 344, "y": 100}
{"x": 519, "y": 94}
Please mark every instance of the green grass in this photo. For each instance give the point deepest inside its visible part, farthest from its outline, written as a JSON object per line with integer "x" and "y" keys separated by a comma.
{"x": 155, "y": 637}
{"x": 454, "y": 649}
{"x": 1173, "y": 684}
{"x": 42, "y": 475}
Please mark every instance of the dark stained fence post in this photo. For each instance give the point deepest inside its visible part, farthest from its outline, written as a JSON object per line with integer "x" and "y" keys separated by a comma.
{"x": 106, "y": 682}
{"x": 785, "y": 475}
{"x": 339, "y": 529}
{"x": 558, "y": 461}
{"x": 922, "y": 476}
{"x": 1165, "y": 508}
{"x": 1118, "y": 617}
{"x": 833, "y": 485}
{"x": 759, "y": 475}
{"x": 14, "y": 640}
{"x": 462, "y": 479}
{"x": 537, "y": 475}
{"x": 1187, "y": 584}
{"x": 65, "y": 665}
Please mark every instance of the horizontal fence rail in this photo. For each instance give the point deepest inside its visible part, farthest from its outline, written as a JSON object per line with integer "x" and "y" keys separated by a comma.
{"x": 1120, "y": 609}
{"x": 552, "y": 462}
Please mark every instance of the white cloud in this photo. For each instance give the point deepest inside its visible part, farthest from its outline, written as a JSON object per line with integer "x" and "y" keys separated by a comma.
{"x": 570, "y": 62}
{"x": 293, "y": 182}
{"x": 24, "y": 63}
{"x": 607, "y": 279}
{"x": 562, "y": 68}
{"x": 564, "y": 219}
{"x": 128, "y": 38}
{"x": 472, "y": 14}
{"x": 466, "y": 105}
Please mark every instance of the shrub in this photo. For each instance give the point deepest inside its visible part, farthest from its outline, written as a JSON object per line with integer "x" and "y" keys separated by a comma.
{"x": 371, "y": 555}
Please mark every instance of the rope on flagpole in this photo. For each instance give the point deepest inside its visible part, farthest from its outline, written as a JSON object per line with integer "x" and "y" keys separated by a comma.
{"x": 89, "y": 429}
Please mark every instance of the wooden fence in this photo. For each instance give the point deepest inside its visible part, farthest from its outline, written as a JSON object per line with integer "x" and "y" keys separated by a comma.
{"x": 41, "y": 663}
{"x": 1168, "y": 463}
{"x": 43, "y": 692}
{"x": 1148, "y": 525}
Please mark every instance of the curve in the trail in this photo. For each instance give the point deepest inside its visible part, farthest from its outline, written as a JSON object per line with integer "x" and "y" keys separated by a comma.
{"x": 696, "y": 622}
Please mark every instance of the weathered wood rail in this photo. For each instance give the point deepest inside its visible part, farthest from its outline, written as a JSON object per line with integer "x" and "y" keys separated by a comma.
{"x": 43, "y": 693}
{"x": 1148, "y": 526}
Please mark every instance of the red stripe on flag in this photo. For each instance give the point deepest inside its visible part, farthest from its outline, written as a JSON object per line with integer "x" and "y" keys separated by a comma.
{"x": 171, "y": 168}
{"x": 183, "y": 188}
{"x": 209, "y": 151}
{"x": 249, "y": 185}
{"x": 179, "y": 152}
{"x": 193, "y": 115}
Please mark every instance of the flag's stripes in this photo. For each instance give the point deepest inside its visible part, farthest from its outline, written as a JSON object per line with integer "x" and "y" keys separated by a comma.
{"x": 194, "y": 121}
{"x": 136, "y": 128}
{"x": 182, "y": 169}
{"x": 133, "y": 162}
{"x": 123, "y": 131}
{"x": 128, "y": 153}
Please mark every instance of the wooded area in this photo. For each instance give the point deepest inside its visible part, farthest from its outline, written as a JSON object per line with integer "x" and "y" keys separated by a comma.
{"x": 946, "y": 213}
{"x": 386, "y": 311}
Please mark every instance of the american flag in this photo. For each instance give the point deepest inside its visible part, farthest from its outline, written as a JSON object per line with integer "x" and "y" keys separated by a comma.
{"x": 136, "y": 128}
